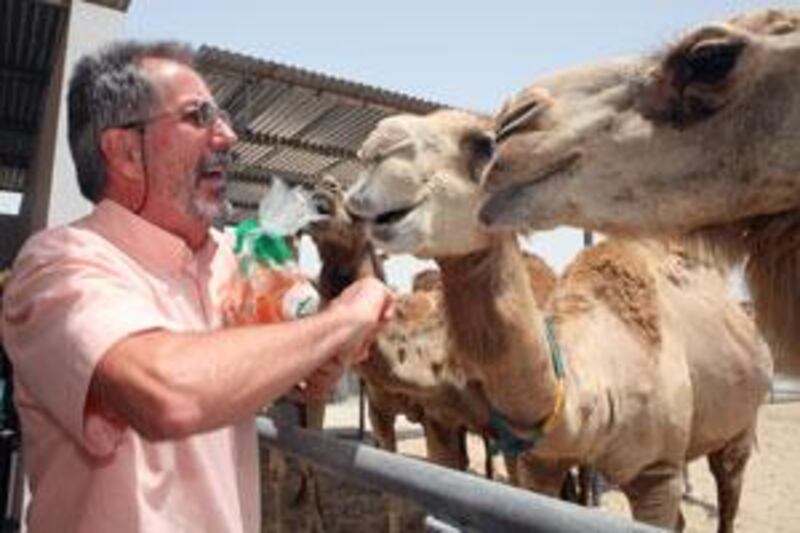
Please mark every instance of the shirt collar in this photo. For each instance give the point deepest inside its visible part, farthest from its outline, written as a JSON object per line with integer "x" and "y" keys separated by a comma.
{"x": 148, "y": 244}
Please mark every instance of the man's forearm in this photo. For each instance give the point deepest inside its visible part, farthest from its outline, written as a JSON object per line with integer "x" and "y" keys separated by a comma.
{"x": 169, "y": 385}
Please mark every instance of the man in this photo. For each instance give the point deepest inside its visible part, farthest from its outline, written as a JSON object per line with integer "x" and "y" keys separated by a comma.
{"x": 137, "y": 407}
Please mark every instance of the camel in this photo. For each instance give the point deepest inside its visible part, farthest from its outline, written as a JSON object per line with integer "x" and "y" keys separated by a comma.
{"x": 408, "y": 361}
{"x": 409, "y": 371}
{"x": 639, "y": 361}
{"x": 700, "y": 139}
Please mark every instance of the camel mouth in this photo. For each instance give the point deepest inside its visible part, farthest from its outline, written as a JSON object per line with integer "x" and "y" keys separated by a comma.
{"x": 395, "y": 216}
{"x": 516, "y": 205}
{"x": 557, "y": 168}
{"x": 323, "y": 204}
{"x": 561, "y": 166}
{"x": 504, "y": 210}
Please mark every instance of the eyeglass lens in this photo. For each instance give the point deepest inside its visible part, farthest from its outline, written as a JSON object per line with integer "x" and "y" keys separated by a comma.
{"x": 205, "y": 115}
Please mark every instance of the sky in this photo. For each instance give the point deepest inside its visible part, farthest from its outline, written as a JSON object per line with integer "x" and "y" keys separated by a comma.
{"x": 460, "y": 53}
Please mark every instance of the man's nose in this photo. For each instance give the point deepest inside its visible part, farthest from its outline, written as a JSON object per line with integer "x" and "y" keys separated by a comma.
{"x": 223, "y": 135}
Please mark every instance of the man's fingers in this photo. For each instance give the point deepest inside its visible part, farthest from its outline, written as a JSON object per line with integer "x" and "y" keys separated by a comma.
{"x": 388, "y": 311}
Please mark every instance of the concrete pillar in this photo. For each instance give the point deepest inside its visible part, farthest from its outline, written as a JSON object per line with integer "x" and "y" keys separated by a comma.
{"x": 52, "y": 196}
{"x": 55, "y": 197}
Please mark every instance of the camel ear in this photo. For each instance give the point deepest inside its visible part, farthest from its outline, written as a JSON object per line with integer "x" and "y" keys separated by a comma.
{"x": 384, "y": 140}
{"x": 478, "y": 147}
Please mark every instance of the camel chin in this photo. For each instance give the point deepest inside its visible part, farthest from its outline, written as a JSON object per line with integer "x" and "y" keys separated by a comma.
{"x": 393, "y": 241}
{"x": 400, "y": 236}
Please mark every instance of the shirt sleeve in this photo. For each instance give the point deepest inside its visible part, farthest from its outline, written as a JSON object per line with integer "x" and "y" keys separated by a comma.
{"x": 61, "y": 314}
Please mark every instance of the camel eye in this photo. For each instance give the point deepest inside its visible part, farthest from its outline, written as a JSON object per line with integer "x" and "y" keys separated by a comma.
{"x": 479, "y": 147}
{"x": 708, "y": 62}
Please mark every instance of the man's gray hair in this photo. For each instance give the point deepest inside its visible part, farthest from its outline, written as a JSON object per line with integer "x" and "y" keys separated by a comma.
{"x": 110, "y": 89}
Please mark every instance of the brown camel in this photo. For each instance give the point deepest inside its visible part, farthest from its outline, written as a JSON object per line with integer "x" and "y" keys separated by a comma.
{"x": 639, "y": 362}
{"x": 701, "y": 139}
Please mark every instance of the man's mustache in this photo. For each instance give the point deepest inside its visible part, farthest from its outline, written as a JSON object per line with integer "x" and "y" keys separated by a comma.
{"x": 217, "y": 161}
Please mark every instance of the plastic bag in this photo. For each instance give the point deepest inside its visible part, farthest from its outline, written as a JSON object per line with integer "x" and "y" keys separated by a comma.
{"x": 274, "y": 288}
{"x": 286, "y": 210}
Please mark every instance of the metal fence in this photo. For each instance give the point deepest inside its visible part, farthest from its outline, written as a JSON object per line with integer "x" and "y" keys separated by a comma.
{"x": 784, "y": 389}
{"x": 455, "y": 501}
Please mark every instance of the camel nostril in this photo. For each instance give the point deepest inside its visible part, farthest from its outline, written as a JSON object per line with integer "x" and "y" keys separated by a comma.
{"x": 490, "y": 179}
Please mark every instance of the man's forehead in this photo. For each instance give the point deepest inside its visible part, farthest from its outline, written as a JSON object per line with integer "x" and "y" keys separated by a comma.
{"x": 175, "y": 81}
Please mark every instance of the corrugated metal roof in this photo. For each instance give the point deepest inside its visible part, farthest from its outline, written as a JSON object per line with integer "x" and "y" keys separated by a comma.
{"x": 293, "y": 122}
{"x": 120, "y": 5}
{"x": 12, "y": 178}
{"x": 29, "y": 31}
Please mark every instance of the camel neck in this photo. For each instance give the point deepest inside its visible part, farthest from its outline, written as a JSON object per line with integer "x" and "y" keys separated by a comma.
{"x": 497, "y": 328}
{"x": 772, "y": 249}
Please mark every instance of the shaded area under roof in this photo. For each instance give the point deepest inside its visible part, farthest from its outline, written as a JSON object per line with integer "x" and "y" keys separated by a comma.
{"x": 29, "y": 34}
{"x": 119, "y": 5}
{"x": 294, "y": 123}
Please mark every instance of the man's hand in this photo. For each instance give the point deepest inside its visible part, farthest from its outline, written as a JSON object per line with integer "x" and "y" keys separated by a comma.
{"x": 319, "y": 385}
{"x": 368, "y": 304}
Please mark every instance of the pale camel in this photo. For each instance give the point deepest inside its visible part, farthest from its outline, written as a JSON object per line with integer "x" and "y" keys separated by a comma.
{"x": 662, "y": 366}
{"x": 408, "y": 361}
{"x": 409, "y": 371}
{"x": 701, "y": 139}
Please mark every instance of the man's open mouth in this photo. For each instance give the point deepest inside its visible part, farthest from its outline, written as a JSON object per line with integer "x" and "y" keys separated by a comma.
{"x": 214, "y": 174}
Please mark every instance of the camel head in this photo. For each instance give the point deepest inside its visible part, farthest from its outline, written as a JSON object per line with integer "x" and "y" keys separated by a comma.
{"x": 701, "y": 135}
{"x": 419, "y": 193}
{"x": 337, "y": 227}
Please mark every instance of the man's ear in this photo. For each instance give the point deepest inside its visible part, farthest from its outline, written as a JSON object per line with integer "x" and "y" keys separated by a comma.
{"x": 122, "y": 150}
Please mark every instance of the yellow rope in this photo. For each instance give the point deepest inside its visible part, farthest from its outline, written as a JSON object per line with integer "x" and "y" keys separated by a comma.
{"x": 558, "y": 407}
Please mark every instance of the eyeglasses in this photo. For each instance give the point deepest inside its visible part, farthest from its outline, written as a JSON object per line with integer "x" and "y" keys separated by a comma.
{"x": 202, "y": 114}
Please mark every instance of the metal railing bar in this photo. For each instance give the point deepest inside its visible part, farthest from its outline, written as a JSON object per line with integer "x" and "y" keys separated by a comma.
{"x": 471, "y": 502}
{"x": 434, "y": 525}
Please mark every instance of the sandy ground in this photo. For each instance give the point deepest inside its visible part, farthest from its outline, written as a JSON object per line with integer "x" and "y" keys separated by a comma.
{"x": 770, "y": 501}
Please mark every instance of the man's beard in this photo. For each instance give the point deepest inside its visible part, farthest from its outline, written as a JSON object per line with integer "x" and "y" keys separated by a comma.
{"x": 209, "y": 209}
{"x": 214, "y": 206}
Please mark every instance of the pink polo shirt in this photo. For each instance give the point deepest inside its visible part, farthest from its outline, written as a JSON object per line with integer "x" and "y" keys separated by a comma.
{"x": 75, "y": 291}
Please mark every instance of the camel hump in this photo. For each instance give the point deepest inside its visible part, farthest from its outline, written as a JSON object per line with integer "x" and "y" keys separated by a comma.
{"x": 616, "y": 274}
